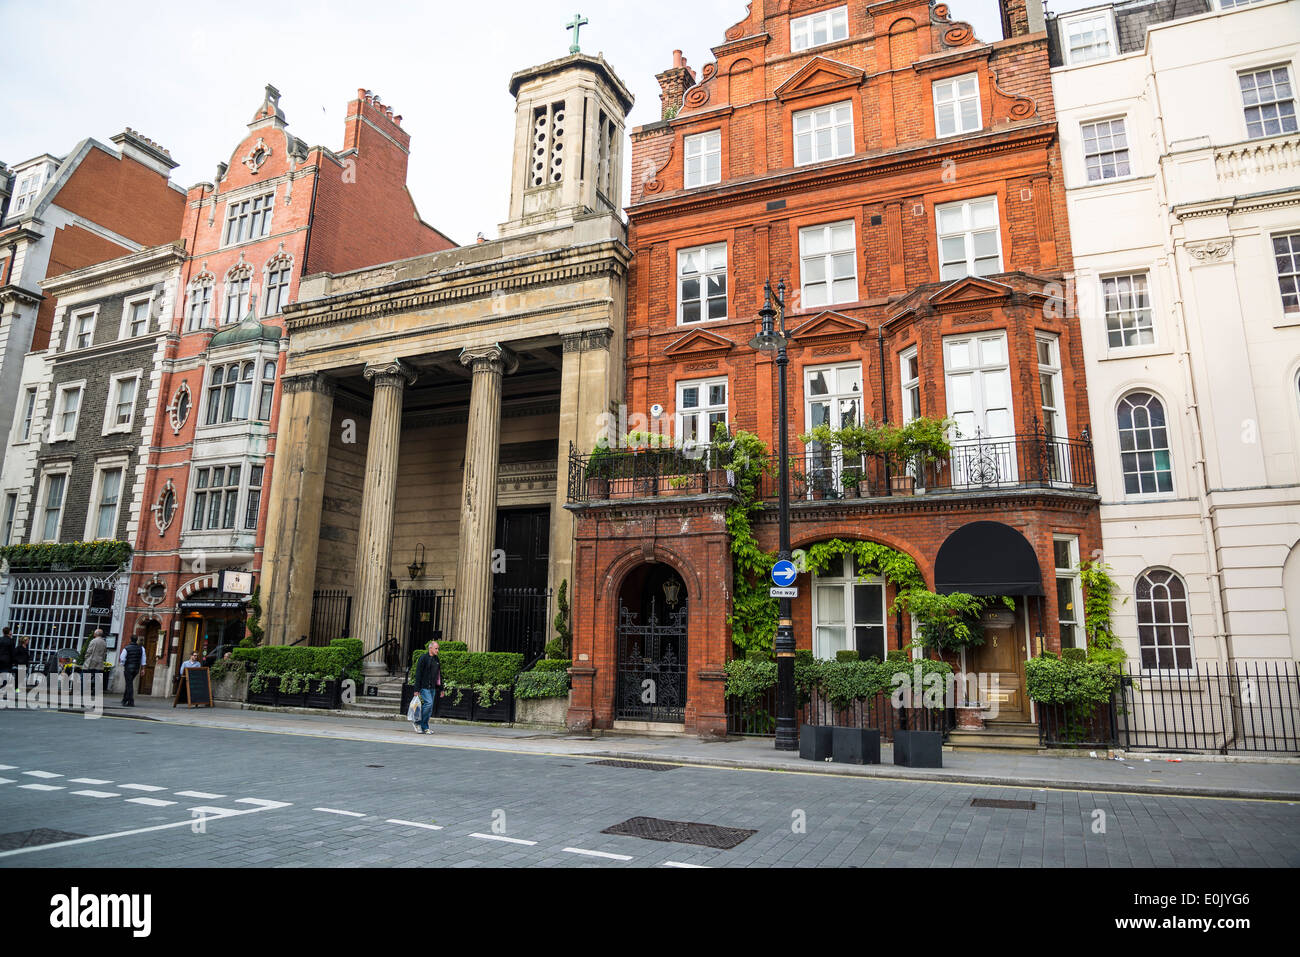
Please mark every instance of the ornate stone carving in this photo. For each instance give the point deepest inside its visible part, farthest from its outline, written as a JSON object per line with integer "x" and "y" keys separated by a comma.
{"x": 179, "y": 410}
{"x": 1214, "y": 251}
{"x": 707, "y": 73}
{"x": 654, "y": 184}
{"x": 258, "y": 155}
{"x": 164, "y": 510}
{"x": 496, "y": 358}
{"x": 591, "y": 340}
{"x": 1021, "y": 106}
{"x": 390, "y": 374}
{"x": 697, "y": 96}
{"x": 311, "y": 382}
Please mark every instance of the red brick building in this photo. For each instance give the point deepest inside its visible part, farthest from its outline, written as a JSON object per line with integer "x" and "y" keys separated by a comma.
{"x": 903, "y": 179}
{"x": 278, "y": 210}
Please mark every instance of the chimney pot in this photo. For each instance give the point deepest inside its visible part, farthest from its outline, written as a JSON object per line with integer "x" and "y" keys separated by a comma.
{"x": 398, "y": 119}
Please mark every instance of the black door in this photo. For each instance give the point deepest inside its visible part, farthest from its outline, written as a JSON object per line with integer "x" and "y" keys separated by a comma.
{"x": 519, "y": 593}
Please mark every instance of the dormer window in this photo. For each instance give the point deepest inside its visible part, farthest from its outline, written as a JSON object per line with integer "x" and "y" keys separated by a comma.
{"x": 1087, "y": 37}
{"x": 29, "y": 187}
{"x": 819, "y": 28}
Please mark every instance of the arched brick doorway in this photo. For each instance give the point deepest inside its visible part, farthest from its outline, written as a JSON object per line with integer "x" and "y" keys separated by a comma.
{"x": 652, "y": 643}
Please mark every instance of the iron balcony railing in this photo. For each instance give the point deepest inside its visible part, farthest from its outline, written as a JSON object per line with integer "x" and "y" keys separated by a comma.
{"x": 1035, "y": 459}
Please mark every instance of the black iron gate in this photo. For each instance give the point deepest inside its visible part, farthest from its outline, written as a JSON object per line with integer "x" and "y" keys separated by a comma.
{"x": 417, "y": 616}
{"x": 651, "y": 666}
{"x": 519, "y": 621}
{"x": 331, "y": 616}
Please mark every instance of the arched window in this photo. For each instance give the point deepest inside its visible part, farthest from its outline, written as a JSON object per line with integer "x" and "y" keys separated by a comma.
{"x": 201, "y": 315}
{"x": 268, "y": 391}
{"x": 238, "y": 292}
{"x": 1144, "y": 445}
{"x": 1164, "y": 625}
{"x": 229, "y": 392}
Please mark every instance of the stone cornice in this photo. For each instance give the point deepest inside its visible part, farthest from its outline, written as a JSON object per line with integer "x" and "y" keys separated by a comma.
{"x": 124, "y": 267}
{"x": 14, "y": 293}
{"x": 589, "y": 340}
{"x": 1274, "y": 199}
{"x": 472, "y": 281}
{"x": 309, "y": 382}
{"x": 792, "y": 182}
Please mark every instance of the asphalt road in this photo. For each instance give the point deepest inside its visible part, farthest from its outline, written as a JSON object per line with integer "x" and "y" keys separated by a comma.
{"x": 139, "y": 793}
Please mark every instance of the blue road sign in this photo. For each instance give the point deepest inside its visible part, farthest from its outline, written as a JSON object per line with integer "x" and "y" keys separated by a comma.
{"x": 784, "y": 573}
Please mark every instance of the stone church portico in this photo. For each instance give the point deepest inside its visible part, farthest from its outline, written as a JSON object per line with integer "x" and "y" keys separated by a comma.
{"x": 428, "y": 403}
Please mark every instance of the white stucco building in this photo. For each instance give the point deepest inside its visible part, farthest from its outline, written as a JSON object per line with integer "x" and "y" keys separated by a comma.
{"x": 1178, "y": 127}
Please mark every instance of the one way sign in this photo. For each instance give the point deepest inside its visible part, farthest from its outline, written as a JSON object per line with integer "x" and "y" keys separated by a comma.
{"x": 784, "y": 573}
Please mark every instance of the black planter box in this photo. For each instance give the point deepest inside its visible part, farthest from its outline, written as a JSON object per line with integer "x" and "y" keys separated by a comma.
{"x": 814, "y": 742}
{"x": 855, "y": 745}
{"x": 267, "y": 695}
{"x": 918, "y": 749}
{"x": 329, "y": 698}
{"x": 297, "y": 700}
{"x": 502, "y": 711}
{"x": 461, "y": 712}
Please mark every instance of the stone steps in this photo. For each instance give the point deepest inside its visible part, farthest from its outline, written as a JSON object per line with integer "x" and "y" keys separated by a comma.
{"x": 997, "y": 736}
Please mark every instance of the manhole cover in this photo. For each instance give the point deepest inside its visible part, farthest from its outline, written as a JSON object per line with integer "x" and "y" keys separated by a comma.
{"x": 681, "y": 832}
{"x": 1009, "y": 805}
{"x": 34, "y": 838}
{"x": 639, "y": 765}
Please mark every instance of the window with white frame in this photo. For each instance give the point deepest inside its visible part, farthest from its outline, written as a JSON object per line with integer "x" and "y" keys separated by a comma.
{"x": 1230, "y": 4}
{"x": 11, "y": 509}
{"x": 816, "y": 29}
{"x": 200, "y": 315}
{"x": 216, "y": 497}
{"x": 969, "y": 244}
{"x": 1127, "y": 303}
{"x": 823, "y": 133}
{"x": 81, "y": 329}
{"x": 832, "y": 397}
{"x": 702, "y": 283}
{"x": 277, "y": 287}
{"x": 703, "y": 153}
{"x": 230, "y": 390}
{"x": 67, "y": 408}
{"x": 135, "y": 317}
{"x": 1087, "y": 37}
{"x": 978, "y": 380}
{"x": 248, "y": 219}
{"x": 828, "y": 265}
{"x": 238, "y": 289}
{"x": 50, "y": 513}
{"x": 268, "y": 391}
{"x": 1050, "y": 387}
{"x": 105, "y": 498}
{"x": 120, "y": 413}
{"x": 1286, "y": 255}
{"x": 1164, "y": 622}
{"x": 1069, "y": 591}
{"x": 701, "y": 405}
{"x": 957, "y": 105}
{"x": 909, "y": 377}
{"x": 1269, "y": 101}
{"x": 848, "y": 611}
{"x": 29, "y": 187}
{"x": 1144, "y": 445}
{"x": 254, "y": 503}
{"x": 1105, "y": 149}
{"x": 24, "y": 422}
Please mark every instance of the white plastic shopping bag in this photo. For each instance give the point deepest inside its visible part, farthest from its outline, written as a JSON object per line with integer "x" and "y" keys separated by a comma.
{"x": 413, "y": 711}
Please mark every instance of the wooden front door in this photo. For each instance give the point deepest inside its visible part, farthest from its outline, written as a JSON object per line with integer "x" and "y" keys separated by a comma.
{"x": 1002, "y": 655}
{"x": 150, "y": 657}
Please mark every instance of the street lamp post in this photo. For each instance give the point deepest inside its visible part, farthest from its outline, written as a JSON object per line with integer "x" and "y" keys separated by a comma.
{"x": 770, "y": 339}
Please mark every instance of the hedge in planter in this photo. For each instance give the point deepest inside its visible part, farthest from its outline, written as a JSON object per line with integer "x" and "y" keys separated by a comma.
{"x": 1052, "y": 680}
{"x": 488, "y": 675}
{"x": 542, "y": 684}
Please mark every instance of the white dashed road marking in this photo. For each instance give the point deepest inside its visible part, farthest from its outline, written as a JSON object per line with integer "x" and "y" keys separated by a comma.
{"x": 6, "y": 780}
{"x": 98, "y": 794}
{"x": 331, "y": 810}
{"x": 42, "y": 787}
{"x": 260, "y": 802}
{"x": 199, "y": 794}
{"x": 8, "y": 767}
{"x": 150, "y": 802}
{"x": 501, "y": 837}
{"x": 427, "y": 827}
{"x": 140, "y": 787}
{"x": 218, "y": 811}
{"x": 680, "y": 864}
{"x": 89, "y": 781}
{"x": 587, "y": 853}
{"x": 42, "y": 774}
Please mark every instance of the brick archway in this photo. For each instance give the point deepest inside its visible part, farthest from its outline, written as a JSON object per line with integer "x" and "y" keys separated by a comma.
{"x": 802, "y": 538}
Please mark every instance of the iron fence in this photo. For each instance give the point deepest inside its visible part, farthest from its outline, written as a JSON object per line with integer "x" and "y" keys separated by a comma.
{"x": 519, "y": 621}
{"x": 417, "y": 616}
{"x": 645, "y": 473}
{"x": 756, "y": 717}
{"x": 331, "y": 616}
{"x": 1092, "y": 725}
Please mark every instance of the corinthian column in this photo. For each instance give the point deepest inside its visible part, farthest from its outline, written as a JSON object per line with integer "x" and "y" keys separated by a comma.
{"x": 375, "y": 541}
{"x": 478, "y": 513}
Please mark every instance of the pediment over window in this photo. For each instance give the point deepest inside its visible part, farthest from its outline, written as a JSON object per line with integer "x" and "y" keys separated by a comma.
{"x": 818, "y": 75}
{"x": 829, "y": 325}
{"x": 699, "y": 342}
{"x": 969, "y": 289}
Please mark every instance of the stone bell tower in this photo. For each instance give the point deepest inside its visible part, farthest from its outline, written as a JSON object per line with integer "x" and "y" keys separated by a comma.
{"x": 568, "y": 165}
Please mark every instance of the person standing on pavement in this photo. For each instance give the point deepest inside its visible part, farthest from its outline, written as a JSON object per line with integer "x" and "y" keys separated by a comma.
{"x": 6, "y": 650}
{"x": 22, "y": 659}
{"x": 428, "y": 685}
{"x": 96, "y": 652}
{"x": 132, "y": 662}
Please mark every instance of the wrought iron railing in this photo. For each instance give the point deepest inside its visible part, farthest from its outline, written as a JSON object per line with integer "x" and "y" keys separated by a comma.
{"x": 331, "y": 616}
{"x": 645, "y": 473}
{"x": 756, "y": 717}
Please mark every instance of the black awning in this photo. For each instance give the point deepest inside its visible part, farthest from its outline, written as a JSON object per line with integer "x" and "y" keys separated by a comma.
{"x": 987, "y": 558}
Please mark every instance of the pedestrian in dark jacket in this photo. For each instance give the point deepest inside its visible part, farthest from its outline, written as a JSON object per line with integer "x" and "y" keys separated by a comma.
{"x": 22, "y": 657}
{"x": 132, "y": 662}
{"x": 428, "y": 685}
{"x": 6, "y": 650}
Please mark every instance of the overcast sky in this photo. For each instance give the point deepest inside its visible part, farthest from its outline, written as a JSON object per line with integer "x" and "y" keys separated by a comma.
{"x": 190, "y": 75}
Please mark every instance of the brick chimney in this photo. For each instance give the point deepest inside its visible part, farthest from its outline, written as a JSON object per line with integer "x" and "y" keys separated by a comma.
{"x": 368, "y": 108}
{"x": 674, "y": 83}
{"x": 1021, "y": 17}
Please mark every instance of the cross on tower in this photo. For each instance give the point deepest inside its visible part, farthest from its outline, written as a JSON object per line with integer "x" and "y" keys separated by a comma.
{"x": 579, "y": 21}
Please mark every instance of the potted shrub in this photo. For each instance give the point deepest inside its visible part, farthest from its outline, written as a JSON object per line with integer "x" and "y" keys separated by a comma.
{"x": 921, "y": 443}
{"x": 852, "y": 479}
{"x": 677, "y": 485}
{"x": 262, "y": 688}
{"x": 600, "y": 466}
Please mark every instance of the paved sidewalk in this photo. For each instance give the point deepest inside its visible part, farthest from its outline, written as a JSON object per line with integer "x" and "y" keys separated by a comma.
{"x": 1276, "y": 779}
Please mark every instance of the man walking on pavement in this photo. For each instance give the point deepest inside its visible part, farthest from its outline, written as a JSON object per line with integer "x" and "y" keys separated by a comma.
{"x": 428, "y": 684}
{"x": 132, "y": 662}
{"x": 6, "y": 650}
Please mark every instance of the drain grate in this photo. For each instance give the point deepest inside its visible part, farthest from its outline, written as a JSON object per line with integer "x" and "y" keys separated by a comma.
{"x": 681, "y": 832}
{"x": 34, "y": 838}
{"x": 1009, "y": 805}
{"x": 639, "y": 765}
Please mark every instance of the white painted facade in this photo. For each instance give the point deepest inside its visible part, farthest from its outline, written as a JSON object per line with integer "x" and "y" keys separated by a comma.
{"x": 1197, "y": 213}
